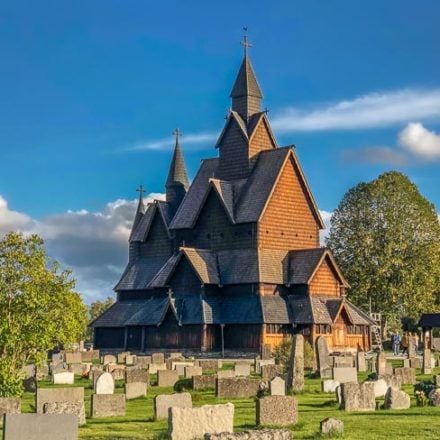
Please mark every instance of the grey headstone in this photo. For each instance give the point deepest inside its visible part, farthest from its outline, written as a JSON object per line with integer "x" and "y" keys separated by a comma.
{"x": 242, "y": 369}
{"x": 105, "y": 384}
{"x": 9, "y": 405}
{"x": 323, "y": 357}
{"x": 75, "y": 408}
{"x": 48, "y": 395}
{"x": 331, "y": 426}
{"x": 295, "y": 375}
{"x": 163, "y": 402}
{"x": 345, "y": 374}
{"x": 133, "y": 390}
{"x": 277, "y": 410}
{"x": 358, "y": 397}
{"x": 167, "y": 378}
{"x": 396, "y": 399}
{"x": 108, "y": 405}
{"x": 277, "y": 387}
{"x": 360, "y": 362}
{"x": 40, "y": 427}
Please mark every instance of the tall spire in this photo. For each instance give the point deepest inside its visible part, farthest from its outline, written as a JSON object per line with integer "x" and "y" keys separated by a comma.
{"x": 246, "y": 93}
{"x": 177, "y": 181}
{"x": 140, "y": 211}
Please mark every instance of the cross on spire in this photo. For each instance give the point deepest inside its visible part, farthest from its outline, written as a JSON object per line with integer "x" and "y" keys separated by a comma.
{"x": 141, "y": 191}
{"x": 245, "y": 43}
{"x": 177, "y": 133}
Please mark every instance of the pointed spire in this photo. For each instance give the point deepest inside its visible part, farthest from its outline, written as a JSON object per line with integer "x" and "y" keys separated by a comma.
{"x": 177, "y": 181}
{"x": 246, "y": 93}
{"x": 140, "y": 211}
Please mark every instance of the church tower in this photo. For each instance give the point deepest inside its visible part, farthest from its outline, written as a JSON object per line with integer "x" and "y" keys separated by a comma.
{"x": 247, "y": 131}
{"x": 177, "y": 181}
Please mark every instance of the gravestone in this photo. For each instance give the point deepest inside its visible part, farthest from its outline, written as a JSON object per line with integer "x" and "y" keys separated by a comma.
{"x": 109, "y": 359}
{"x": 329, "y": 385}
{"x": 210, "y": 364}
{"x": 108, "y": 405}
{"x": 360, "y": 362}
{"x": 357, "y": 397}
{"x": 277, "y": 410}
{"x": 105, "y": 384}
{"x": 57, "y": 357}
{"x": 154, "y": 368}
{"x": 136, "y": 375}
{"x": 277, "y": 387}
{"x": 393, "y": 380}
{"x": 130, "y": 359}
{"x": 163, "y": 402}
{"x": 75, "y": 408}
{"x": 158, "y": 358}
{"x": 437, "y": 381}
{"x": 434, "y": 397}
{"x": 380, "y": 387}
{"x": 40, "y": 427}
{"x": 331, "y": 426}
{"x": 143, "y": 361}
{"x": 122, "y": 356}
{"x": 381, "y": 367}
{"x": 266, "y": 351}
{"x": 9, "y": 405}
{"x": 323, "y": 357}
{"x": 262, "y": 362}
{"x": 192, "y": 423}
{"x": 412, "y": 352}
{"x": 180, "y": 367}
{"x": 226, "y": 374}
{"x": 47, "y": 395}
{"x": 345, "y": 374}
{"x": 396, "y": 399}
{"x": 73, "y": 358}
{"x": 118, "y": 373}
{"x": 427, "y": 366}
{"x": 408, "y": 375}
{"x": 255, "y": 434}
{"x": 239, "y": 387}
{"x": 30, "y": 385}
{"x": 242, "y": 369}
{"x": 203, "y": 382}
{"x": 176, "y": 355}
{"x": 295, "y": 375}
{"x": 268, "y": 372}
{"x": 133, "y": 390}
{"x": 167, "y": 378}
{"x": 192, "y": 371}
{"x": 65, "y": 378}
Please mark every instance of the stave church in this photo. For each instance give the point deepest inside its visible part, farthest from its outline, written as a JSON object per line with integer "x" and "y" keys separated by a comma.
{"x": 232, "y": 260}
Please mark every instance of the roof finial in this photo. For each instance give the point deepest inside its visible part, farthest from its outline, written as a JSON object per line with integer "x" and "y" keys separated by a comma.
{"x": 141, "y": 191}
{"x": 178, "y": 134}
{"x": 245, "y": 43}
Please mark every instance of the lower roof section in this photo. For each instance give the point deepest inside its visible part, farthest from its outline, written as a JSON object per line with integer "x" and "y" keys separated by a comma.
{"x": 231, "y": 309}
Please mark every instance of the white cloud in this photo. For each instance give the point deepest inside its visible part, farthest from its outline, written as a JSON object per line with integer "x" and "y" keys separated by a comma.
{"x": 92, "y": 244}
{"x": 326, "y": 216}
{"x": 414, "y": 144}
{"x": 367, "y": 111}
{"x": 419, "y": 141}
{"x": 202, "y": 140}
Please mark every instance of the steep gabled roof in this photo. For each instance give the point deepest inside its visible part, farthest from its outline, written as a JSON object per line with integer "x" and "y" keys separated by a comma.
{"x": 233, "y": 117}
{"x": 254, "y": 122}
{"x": 177, "y": 172}
{"x": 225, "y": 192}
{"x": 140, "y": 211}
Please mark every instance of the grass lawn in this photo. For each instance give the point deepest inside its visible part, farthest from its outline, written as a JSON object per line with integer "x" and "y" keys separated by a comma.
{"x": 415, "y": 423}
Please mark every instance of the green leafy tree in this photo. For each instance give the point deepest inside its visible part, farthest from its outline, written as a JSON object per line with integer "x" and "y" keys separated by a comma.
{"x": 96, "y": 309}
{"x": 38, "y": 308}
{"x": 386, "y": 237}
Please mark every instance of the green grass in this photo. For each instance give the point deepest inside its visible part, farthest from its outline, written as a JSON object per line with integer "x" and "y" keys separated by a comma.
{"x": 139, "y": 423}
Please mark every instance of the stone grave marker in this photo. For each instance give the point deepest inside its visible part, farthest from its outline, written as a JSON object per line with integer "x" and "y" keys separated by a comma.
{"x": 331, "y": 426}
{"x": 167, "y": 378}
{"x": 345, "y": 374}
{"x": 65, "y": 378}
{"x": 118, "y": 373}
{"x": 133, "y": 390}
{"x": 192, "y": 371}
{"x": 262, "y": 362}
{"x": 277, "y": 387}
{"x": 191, "y": 423}
{"x": 380, "y": 387}
{"x": 154, "y": 368}
{"x": 266, "y": 351}
{"x": 130, "y": 359}
{"x": 210, "y": 364}
{"x": 255, "y": 434}
{"x": 163, "y": 402}
{"x": 180, "y": 367}
{"x": 295, "y": 374}
{"x": 108, "y": 405}
{"x": 412, "y": 352}
{"x": 48, "y": 395}
{"x": 360, "y": 362}
{"x": 30, "y": 385}
{"x": 358, "y": 397}
{"x": 381, "y": 364}
{"x": 203, "y": 382}
{"x": 427, "y": 365}
{"x": 122, "y": 356}
{"x": 176, "y": 355}
{"x": 242, "y": 369}
{"x": 75, "y": 408}
{"x": 58, "y": 357}
{"x": 329, "y": 385}
{"x": 277, "y": 410}
{"x": 73, "y": 358}
{"x": 396, "y": 399}
{"x": 105, "y": 384}
{"x": 40, "y": 427}
{"x": 136, "y": 375}
{"x": 109, "y": 359}
{"x": 143, "y": 361}
{"x": 226, "y": 374}
{"x": 408, "y": 375}
{"x": 323, "y": 357}
{"x": 158, "y": 358}
{"x": 239, "y": 387}
{"x": 268, "y": 372}
{"x": 9, "y": 405}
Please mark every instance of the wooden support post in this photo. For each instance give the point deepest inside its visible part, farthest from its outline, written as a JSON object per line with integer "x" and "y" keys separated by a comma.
{"x": 204, "y": 339}
{"x": 222, "y": 327}
{"x": 143, "y": 339}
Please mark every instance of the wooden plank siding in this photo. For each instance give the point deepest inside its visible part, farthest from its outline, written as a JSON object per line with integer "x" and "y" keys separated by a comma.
{"x": 261, "y": 141}
{"x": 325, "y": 281}
{"x": 288, "y": 222}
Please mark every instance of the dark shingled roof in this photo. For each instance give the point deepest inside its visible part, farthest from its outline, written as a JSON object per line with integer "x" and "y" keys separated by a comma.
{"x": 232, "y": 309}
{"x": 301, "y": 309}
{"x": 204, "y": 263}
{"x": 359, "y": 317}
{"x": 276, "y": 310}
{"x": 189, "y": 309}
{"x": 117, "y": 314}
{"x": 139, "y": 273}
{"x": 429, "y": 320}
{"x": 303, "y": 263}
{"x": 321, "y": 314}
{"x": 225, "y": 191}
{"x": 140, "y": 211}
{"x": 246, "y": 83}
{"x": 177, "y": 172}
{"x": 151, "y": 312}
{"x": 162, "y": 276}
{"x": 140, "y": 230}
{"x": 238, "y": 266}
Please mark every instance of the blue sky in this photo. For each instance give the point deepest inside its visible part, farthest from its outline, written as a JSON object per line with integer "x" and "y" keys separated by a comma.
{"x": 90, "y": 91}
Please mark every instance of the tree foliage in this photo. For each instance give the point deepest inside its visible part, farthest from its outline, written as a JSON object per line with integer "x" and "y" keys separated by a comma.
{"x": 96, "y": 309}
{"x": 386, "y": 237}
{"x": 38, "y": 308}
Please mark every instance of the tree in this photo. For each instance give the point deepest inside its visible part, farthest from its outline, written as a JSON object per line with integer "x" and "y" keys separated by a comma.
{"x": 96, "y": 309}
{"x": 386, "y": 237}
{"x": 38, "y": 308}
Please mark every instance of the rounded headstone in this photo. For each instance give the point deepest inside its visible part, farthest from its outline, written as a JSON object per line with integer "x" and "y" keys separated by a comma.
{"x": 105, "y": 384}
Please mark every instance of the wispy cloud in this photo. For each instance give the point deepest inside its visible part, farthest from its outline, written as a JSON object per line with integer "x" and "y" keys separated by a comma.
{"x": 415, "y": 144}
{"x": 203, "y": 140}
{"x": 367, "y": 111}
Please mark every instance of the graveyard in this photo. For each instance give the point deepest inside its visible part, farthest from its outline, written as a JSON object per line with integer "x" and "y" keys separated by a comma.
{"x": 136, "y": 404}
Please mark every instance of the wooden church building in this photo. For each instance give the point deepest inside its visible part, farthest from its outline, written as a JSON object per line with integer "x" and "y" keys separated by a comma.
{"x": 232, "y": 260}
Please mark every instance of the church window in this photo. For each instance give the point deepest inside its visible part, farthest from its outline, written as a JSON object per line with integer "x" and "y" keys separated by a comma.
{"x": 323, "y": 329}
